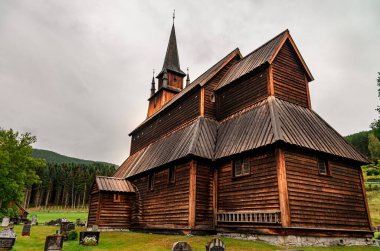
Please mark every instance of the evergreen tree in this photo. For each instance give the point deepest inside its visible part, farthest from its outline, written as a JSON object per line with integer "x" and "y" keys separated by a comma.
{"x": 374, "y": 147}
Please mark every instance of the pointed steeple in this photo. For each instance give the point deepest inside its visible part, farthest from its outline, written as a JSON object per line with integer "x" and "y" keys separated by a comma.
{"x": 187, "y": 77}
{"x": 171, "y": 58}
{"x": 153, "y": 88}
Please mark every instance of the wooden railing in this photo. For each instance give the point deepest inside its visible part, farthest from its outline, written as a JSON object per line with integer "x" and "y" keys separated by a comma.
{"x": 252, "y": 217}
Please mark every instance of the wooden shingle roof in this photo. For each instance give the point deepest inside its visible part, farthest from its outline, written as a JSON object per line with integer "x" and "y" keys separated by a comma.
{"x": 113, "y": 184}
{"x": 196, "y": 139}
{"x": 265, "y": 54}
{"x": 274, "y": 120}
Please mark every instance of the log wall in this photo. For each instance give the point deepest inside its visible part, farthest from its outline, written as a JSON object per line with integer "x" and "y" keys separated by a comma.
{"x": 289, "y": 78}
{"x": 93, "y": 209}
{"x": 173, "y": 117}
{"x": 167, "y": 205}
{"x": 325, "y": 202}
{"x": 257, "y": 191}
{"x": 245, "y": 92}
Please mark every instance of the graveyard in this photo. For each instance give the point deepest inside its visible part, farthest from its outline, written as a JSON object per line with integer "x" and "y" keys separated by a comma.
{"x": 136, "y": 241}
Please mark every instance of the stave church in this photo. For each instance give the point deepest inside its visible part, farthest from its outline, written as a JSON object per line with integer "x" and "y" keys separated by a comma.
{"x": 237, "y": 150}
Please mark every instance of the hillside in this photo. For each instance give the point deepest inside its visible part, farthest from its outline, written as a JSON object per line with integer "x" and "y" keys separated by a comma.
{"x": 360, "y": 141}
{"x": 53, "y": 157}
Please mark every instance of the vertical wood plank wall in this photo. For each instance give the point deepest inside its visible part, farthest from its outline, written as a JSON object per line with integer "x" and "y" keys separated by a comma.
{"x": 289, "y": 77}
{"x": 93, "y": 209}
{"x": 318, "y": 201}
{"x": 204, "y": 191}
{"x": 167, "y": 205}
{"x": 255, "y": 192}
{"x": 210, "y": 107}
{"x": 247, "y": 91}
{"x": 116, "y": 214}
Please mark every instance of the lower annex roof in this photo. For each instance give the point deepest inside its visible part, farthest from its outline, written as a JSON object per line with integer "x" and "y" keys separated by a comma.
{"x": 269, "y": 121}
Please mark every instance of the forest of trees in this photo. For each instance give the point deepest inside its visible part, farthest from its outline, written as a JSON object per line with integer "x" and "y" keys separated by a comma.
{"x": 64, "y": 181}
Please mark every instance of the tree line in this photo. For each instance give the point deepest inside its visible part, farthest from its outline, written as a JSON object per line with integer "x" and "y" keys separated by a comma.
{"x": 65, "y": 184}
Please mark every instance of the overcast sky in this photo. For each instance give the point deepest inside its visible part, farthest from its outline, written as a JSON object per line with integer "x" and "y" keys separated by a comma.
{"x": 77, "y": 73}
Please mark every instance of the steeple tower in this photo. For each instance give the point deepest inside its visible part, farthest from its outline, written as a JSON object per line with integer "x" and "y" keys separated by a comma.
{"x": 170, "y": 78}
{"x": 153, "y": 88}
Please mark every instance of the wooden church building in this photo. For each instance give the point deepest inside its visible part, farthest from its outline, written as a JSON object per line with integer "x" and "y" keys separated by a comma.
{"x": 237, "y": 150}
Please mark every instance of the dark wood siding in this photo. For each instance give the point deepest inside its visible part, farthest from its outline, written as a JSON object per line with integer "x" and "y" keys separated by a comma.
{"x": 167, "y": 205}
{"x": 210, "y": 107}
{"x": 115, "y": 214}
{"x": 289, "y": 77}
{"x": 255, "y": 192}
{"x": 245, "y": 92}
{"x": 204, "y": 209}
{"x": 318, "y": 201}
{"x": 173, "y": 117}
{"x": 92, "y": 209}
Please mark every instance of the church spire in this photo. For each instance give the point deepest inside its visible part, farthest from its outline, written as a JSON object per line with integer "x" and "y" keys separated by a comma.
{"x": 153, "y": 88}
{"x": 171, "y": 62}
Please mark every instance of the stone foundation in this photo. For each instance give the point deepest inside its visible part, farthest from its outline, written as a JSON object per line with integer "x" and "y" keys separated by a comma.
{"x": 304, "y": 241}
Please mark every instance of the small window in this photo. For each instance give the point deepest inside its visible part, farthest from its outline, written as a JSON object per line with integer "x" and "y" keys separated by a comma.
{"x": 212, "y": 98}
{"x": 151, "y": 181}
{"x": 323, "y": 166}
{"x": 241, "y": 167}
{"x": 116, "y": 197}
{"x": 172, "y": 175}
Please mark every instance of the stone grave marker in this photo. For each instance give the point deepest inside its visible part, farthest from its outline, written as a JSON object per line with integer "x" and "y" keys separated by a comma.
{"x": 7, "y": 238}
{"x": 34, "y": 220}
{"x": 181, "y": 246}
{"x": 5, "y": 222}
{"x": 26, "y": 230}
{"x": 70, "y": 226}
{"x": 15, "y": 220}
{"x": 65, "y": 228}
{"x": 95, "y": 227}
{"x": 216, "y": 245}
{"x": 54, "y": 242}
{"x": 89, "y": 238}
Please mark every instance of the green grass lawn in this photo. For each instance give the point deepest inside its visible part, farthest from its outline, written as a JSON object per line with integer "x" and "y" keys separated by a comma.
{"x": 138, "y": 241}
{"x": 374, "y": 206}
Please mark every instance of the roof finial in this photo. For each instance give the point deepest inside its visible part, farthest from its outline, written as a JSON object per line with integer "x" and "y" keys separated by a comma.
{"x": 187, "y": 77}
{"x": 173, "y": 16}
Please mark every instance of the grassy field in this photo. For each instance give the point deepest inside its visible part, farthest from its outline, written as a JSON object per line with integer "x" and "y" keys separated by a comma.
{"x": 374, "y": 206}
{"x": 137, "y": 241}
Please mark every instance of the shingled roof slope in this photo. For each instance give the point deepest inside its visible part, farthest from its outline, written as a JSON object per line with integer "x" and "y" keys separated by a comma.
{"x": 275, "y": 120}
{"x": 196, "y": 139}
{"x": 265, "y": 54}
{"x": 113, "y": 184}
{"x": 200, "y": 81}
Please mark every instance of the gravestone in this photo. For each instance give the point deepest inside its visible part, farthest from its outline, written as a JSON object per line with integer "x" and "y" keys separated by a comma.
{"x": 5, "y": 222}
{"x": 54, "y": 242}
{"x": 34, "y": 220}
{"x": 26, "y": 230}
{"x": 89, "y": 235}
{"x": 95, "y": 227}
{"x": 181, "y": 246}
{"x": 77, "y": 222}
{"x": 65, "y": 228}
{"x": 70, "y": 226}
{"x": 15, "y": 220}
{"x": 215, "y": 245}
{"x": 7, "y": 238}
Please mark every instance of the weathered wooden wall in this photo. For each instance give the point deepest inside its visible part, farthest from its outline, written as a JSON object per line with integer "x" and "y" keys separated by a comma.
{"x": 204, "y": 192}
{"x": 167, "y": 205}
{"x": 289, "y": 78}
{"x": 325, "y": 202}
{"x": 209, "y": 106}
{"x": 173, "y": 117}
{"x": 93, "y": 209}
{"x": 257, "y": 191}
{"x": 115, "y": 214}
{"x": 245, "y": 92}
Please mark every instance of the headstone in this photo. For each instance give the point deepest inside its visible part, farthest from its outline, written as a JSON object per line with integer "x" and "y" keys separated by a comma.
{"x": 89, "y": 238}
{"x": 215, "y": 245}
{"x": 7, "y": 238}
{"x": 77, "y": 222}
{"x": 34, "y": 220}
{"x": 181, "y": 246}
{"x": 54, "y": 242}
{"x": 70, "y": 226}
{"x": 95, "y": 227}
{"x": 15, "y": 220}
{"x": 5, "y": 222}
{"x": 26, "y": 230}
